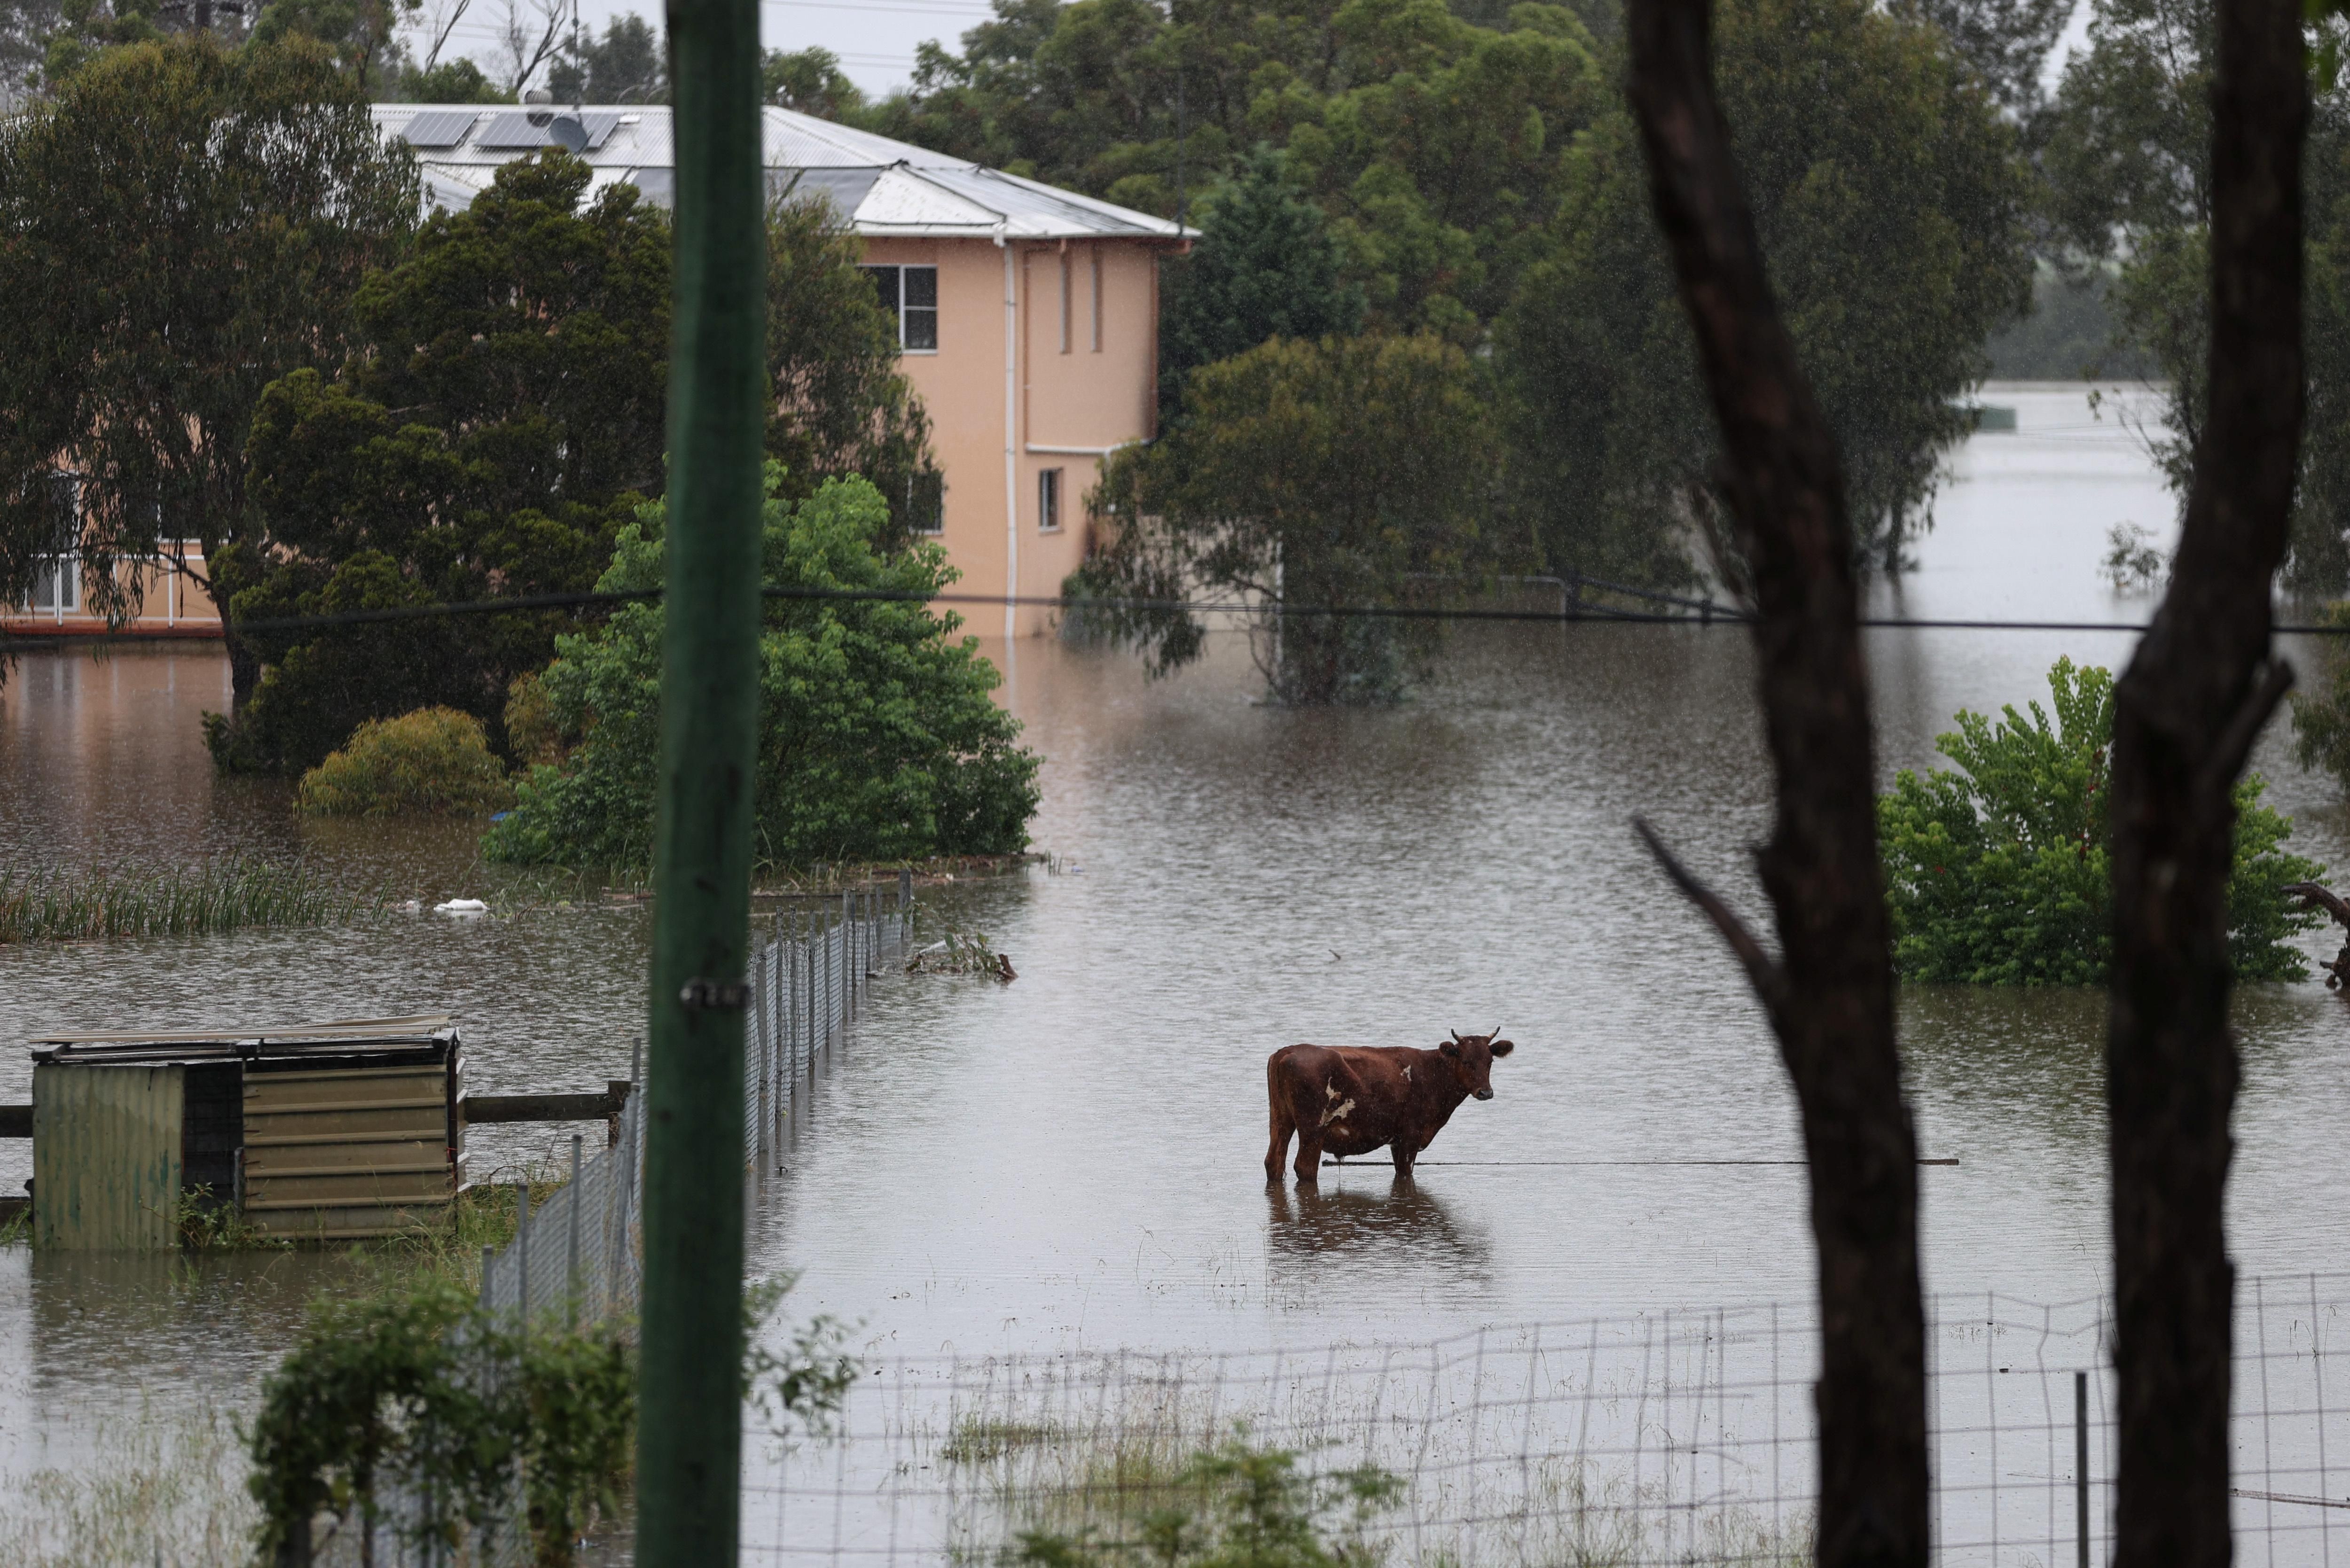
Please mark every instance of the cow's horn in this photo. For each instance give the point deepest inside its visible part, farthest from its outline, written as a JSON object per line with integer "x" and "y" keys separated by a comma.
{"x": 1456, "y": 1037}
{"x": 1496, "y": 1034}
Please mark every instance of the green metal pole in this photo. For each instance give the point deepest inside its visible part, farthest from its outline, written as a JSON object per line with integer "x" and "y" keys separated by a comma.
{"x": 689, "y": 1444}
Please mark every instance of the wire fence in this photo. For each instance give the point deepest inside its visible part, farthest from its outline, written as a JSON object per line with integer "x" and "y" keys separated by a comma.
{"x": 578, "y": 1257}
{"x": 1672, "y": 1438}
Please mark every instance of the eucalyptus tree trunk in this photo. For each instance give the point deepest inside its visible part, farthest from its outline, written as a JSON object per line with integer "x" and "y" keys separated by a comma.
{"x": 1829, "y": 993}
{"x": 2186, "y": 713}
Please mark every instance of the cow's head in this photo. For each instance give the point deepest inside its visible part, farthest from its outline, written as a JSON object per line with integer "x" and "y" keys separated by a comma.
{"x": 1474, "y": 1055}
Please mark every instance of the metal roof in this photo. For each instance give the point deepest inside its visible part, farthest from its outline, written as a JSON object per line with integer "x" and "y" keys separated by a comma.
{"x": 879, "y": 186}
{"x": 187, "y": 1044}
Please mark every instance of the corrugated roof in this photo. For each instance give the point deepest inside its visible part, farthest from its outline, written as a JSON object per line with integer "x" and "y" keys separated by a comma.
{"x": 880, "y": 186}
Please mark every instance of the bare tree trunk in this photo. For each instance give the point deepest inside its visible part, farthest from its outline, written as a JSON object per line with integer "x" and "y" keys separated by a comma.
{"x": 2185, "y": 713}
{"x": 1830, "y": 994}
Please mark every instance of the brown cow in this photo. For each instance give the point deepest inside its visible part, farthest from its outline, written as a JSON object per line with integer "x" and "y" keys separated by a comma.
{"x": 1351, "y": 1099}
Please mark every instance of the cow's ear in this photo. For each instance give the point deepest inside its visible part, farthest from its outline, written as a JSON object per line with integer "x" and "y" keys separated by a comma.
{"x": 1447, "y": 1048}
{"x": 1503, "y": 1047}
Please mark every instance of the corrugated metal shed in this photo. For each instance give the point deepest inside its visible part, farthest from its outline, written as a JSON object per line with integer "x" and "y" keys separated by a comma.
{"x": 323, "y": 1131}
{"x": 880, "y": 186}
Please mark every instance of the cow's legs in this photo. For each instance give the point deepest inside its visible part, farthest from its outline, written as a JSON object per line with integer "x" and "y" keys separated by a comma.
{"x": 1309, "y": 1159}
{"x": 1404, "y": 1153}
{"x": 1273, "y": 1156}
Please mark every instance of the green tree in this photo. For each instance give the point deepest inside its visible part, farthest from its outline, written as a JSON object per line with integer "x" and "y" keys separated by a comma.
{"x": 179, "y": 227}
{"x": 630, "y": 64}
{"x": 1265, "y": 266}
{"x": 1434, "y": 146}
{"x": 1308, "y": 476}
{"x": 452, "y": 81}
{"x": 502, "y": 421}
{"x": 878, "y": 739}
{"x": 1890, "y": 196}
{"x": 2002, "y": 875}
{"x": 810, "y": 81}
{"x": 2128, "y": 163}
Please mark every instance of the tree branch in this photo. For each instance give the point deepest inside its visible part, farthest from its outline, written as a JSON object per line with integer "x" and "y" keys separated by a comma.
{"x": 1762, "y": 970}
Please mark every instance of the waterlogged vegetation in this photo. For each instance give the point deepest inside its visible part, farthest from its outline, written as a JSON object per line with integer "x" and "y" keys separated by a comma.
{"x": 206, "y": 898}
{"x": 170, "y": 1491}
{"x": 1999, "y": 875}
{"x": 432, "y": 760}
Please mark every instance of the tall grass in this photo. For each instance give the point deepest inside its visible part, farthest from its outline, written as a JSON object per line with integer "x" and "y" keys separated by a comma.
{"x": 216, "y": 896}
{"x": 170, "y": 1490}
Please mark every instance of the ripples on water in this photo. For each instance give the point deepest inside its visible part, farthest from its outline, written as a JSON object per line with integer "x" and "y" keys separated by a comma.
{"x": 1074, "y": 1158}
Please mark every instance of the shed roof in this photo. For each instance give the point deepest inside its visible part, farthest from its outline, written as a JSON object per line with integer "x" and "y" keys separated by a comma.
{"x": 880, "y": 187}
{"x": 196, "y": 1045}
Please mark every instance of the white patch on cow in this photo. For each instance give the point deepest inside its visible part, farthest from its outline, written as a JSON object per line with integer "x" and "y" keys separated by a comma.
{"x": 1407, "y": 1072}
{"x": 1338, "y": 1113}
{"x": 1331, "y": 1090}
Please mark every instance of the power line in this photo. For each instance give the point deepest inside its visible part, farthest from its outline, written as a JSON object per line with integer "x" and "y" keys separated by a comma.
{"x": 1710, "y": 614}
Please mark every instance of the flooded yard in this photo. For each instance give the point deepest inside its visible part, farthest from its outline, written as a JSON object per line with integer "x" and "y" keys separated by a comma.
{"x": 1072, "y": 1161}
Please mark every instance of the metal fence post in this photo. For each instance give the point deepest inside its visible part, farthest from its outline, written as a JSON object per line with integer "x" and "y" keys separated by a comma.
{"x": 571, "y": 1243}
{"x": 2080, "y": 1462}
{"x": 522, "y": 1252}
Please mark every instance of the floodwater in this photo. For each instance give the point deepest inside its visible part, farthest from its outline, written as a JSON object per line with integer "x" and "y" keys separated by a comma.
{"x": 1074, "y": 1159}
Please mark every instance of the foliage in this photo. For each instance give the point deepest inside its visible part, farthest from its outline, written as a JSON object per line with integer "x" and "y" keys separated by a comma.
{"x": 1267, "y": 267}
{"x": 1236, "y": 1505}
{"x": 434, "y": 760}
{"x": 207, "y": 1224}
{"x": 809, "y": 80}
{"x": 504, "y": 418}
{"x": 504, "y": 421}
{"x": 2002, "y": 875}
{"x": 2133, "y": 565}
{"x": 212, "y": 897}
{"x": 416, "y": 1382}
{"x": 629, "y": 63}
{"x": 877, "y": 737}
{"x": 2128, "y": 162}
{"x": 1310, "y": 476}
{"x": 1889, "y": 196}
{"x": 183, "y": 226}
{"x": 2321, "y": 718}
{"x": 1434, "y": 146}
{"x": 452, "y": 81}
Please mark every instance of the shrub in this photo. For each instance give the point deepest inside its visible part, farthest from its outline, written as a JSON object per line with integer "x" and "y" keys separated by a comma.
{"x": 878, "y": 740}
{"x": 2002, "y": 875}
{"x": 434, "y": 760}
{"x": 2321, "y": 718}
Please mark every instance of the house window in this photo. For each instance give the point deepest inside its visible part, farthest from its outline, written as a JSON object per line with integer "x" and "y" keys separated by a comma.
{"x": 911, "y": 294}
{"x": 926, "y": 511}
{"x": 1068, "y": 297}
{"x": 57, "y": 580}
{"x": 57, "y": 585}
{"x": 1048, "y": 501}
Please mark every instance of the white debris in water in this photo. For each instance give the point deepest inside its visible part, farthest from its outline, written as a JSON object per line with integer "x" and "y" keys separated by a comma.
{"x": 461, "y": 907}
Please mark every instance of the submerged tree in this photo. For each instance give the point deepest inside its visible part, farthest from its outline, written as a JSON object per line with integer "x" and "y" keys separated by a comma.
{"x": 878, "y": 740}
{"x": 1311, "y": 477}
{"x": 1889, "y": 195}
{"x": 502, "y": 422}
{"x": 2003, "y": 875}
{"x": 182, "y": 225}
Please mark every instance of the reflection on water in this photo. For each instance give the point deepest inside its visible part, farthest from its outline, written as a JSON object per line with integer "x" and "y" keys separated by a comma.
{"x": 1074, "y": 1159}
{"x": 1331, "y": 1239}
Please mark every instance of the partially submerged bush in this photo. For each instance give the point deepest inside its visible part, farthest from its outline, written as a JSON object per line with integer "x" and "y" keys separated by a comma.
{"x": 2002, "y": 875}
{"x": 432, "y": 760}
{"x": 214, "y": 896}
{"x": 878, "y": 739}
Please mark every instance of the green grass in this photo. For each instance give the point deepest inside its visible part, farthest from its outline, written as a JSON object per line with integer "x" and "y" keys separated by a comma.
{"x": 214, "y": 896}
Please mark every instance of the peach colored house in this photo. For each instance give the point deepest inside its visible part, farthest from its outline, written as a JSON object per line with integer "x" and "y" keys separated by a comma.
{"x": 1028, "y": 318}
{"x": 171, "y": 603}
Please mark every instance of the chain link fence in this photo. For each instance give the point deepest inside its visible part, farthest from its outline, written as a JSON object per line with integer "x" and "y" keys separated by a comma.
{"x": 1672, "y": 1438}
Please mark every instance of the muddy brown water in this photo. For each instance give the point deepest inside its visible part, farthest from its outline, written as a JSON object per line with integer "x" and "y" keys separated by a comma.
{"x": 1074, "y": 1159}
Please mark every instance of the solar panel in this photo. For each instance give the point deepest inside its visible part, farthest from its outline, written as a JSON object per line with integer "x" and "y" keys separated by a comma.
{"x": 439, "y": 127}
{"x": 518, "y": 130}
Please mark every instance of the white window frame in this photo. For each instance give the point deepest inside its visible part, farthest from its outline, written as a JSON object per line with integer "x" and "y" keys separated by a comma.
{"x": 1049, "y": 499}
{"x": 892, "y": 294}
